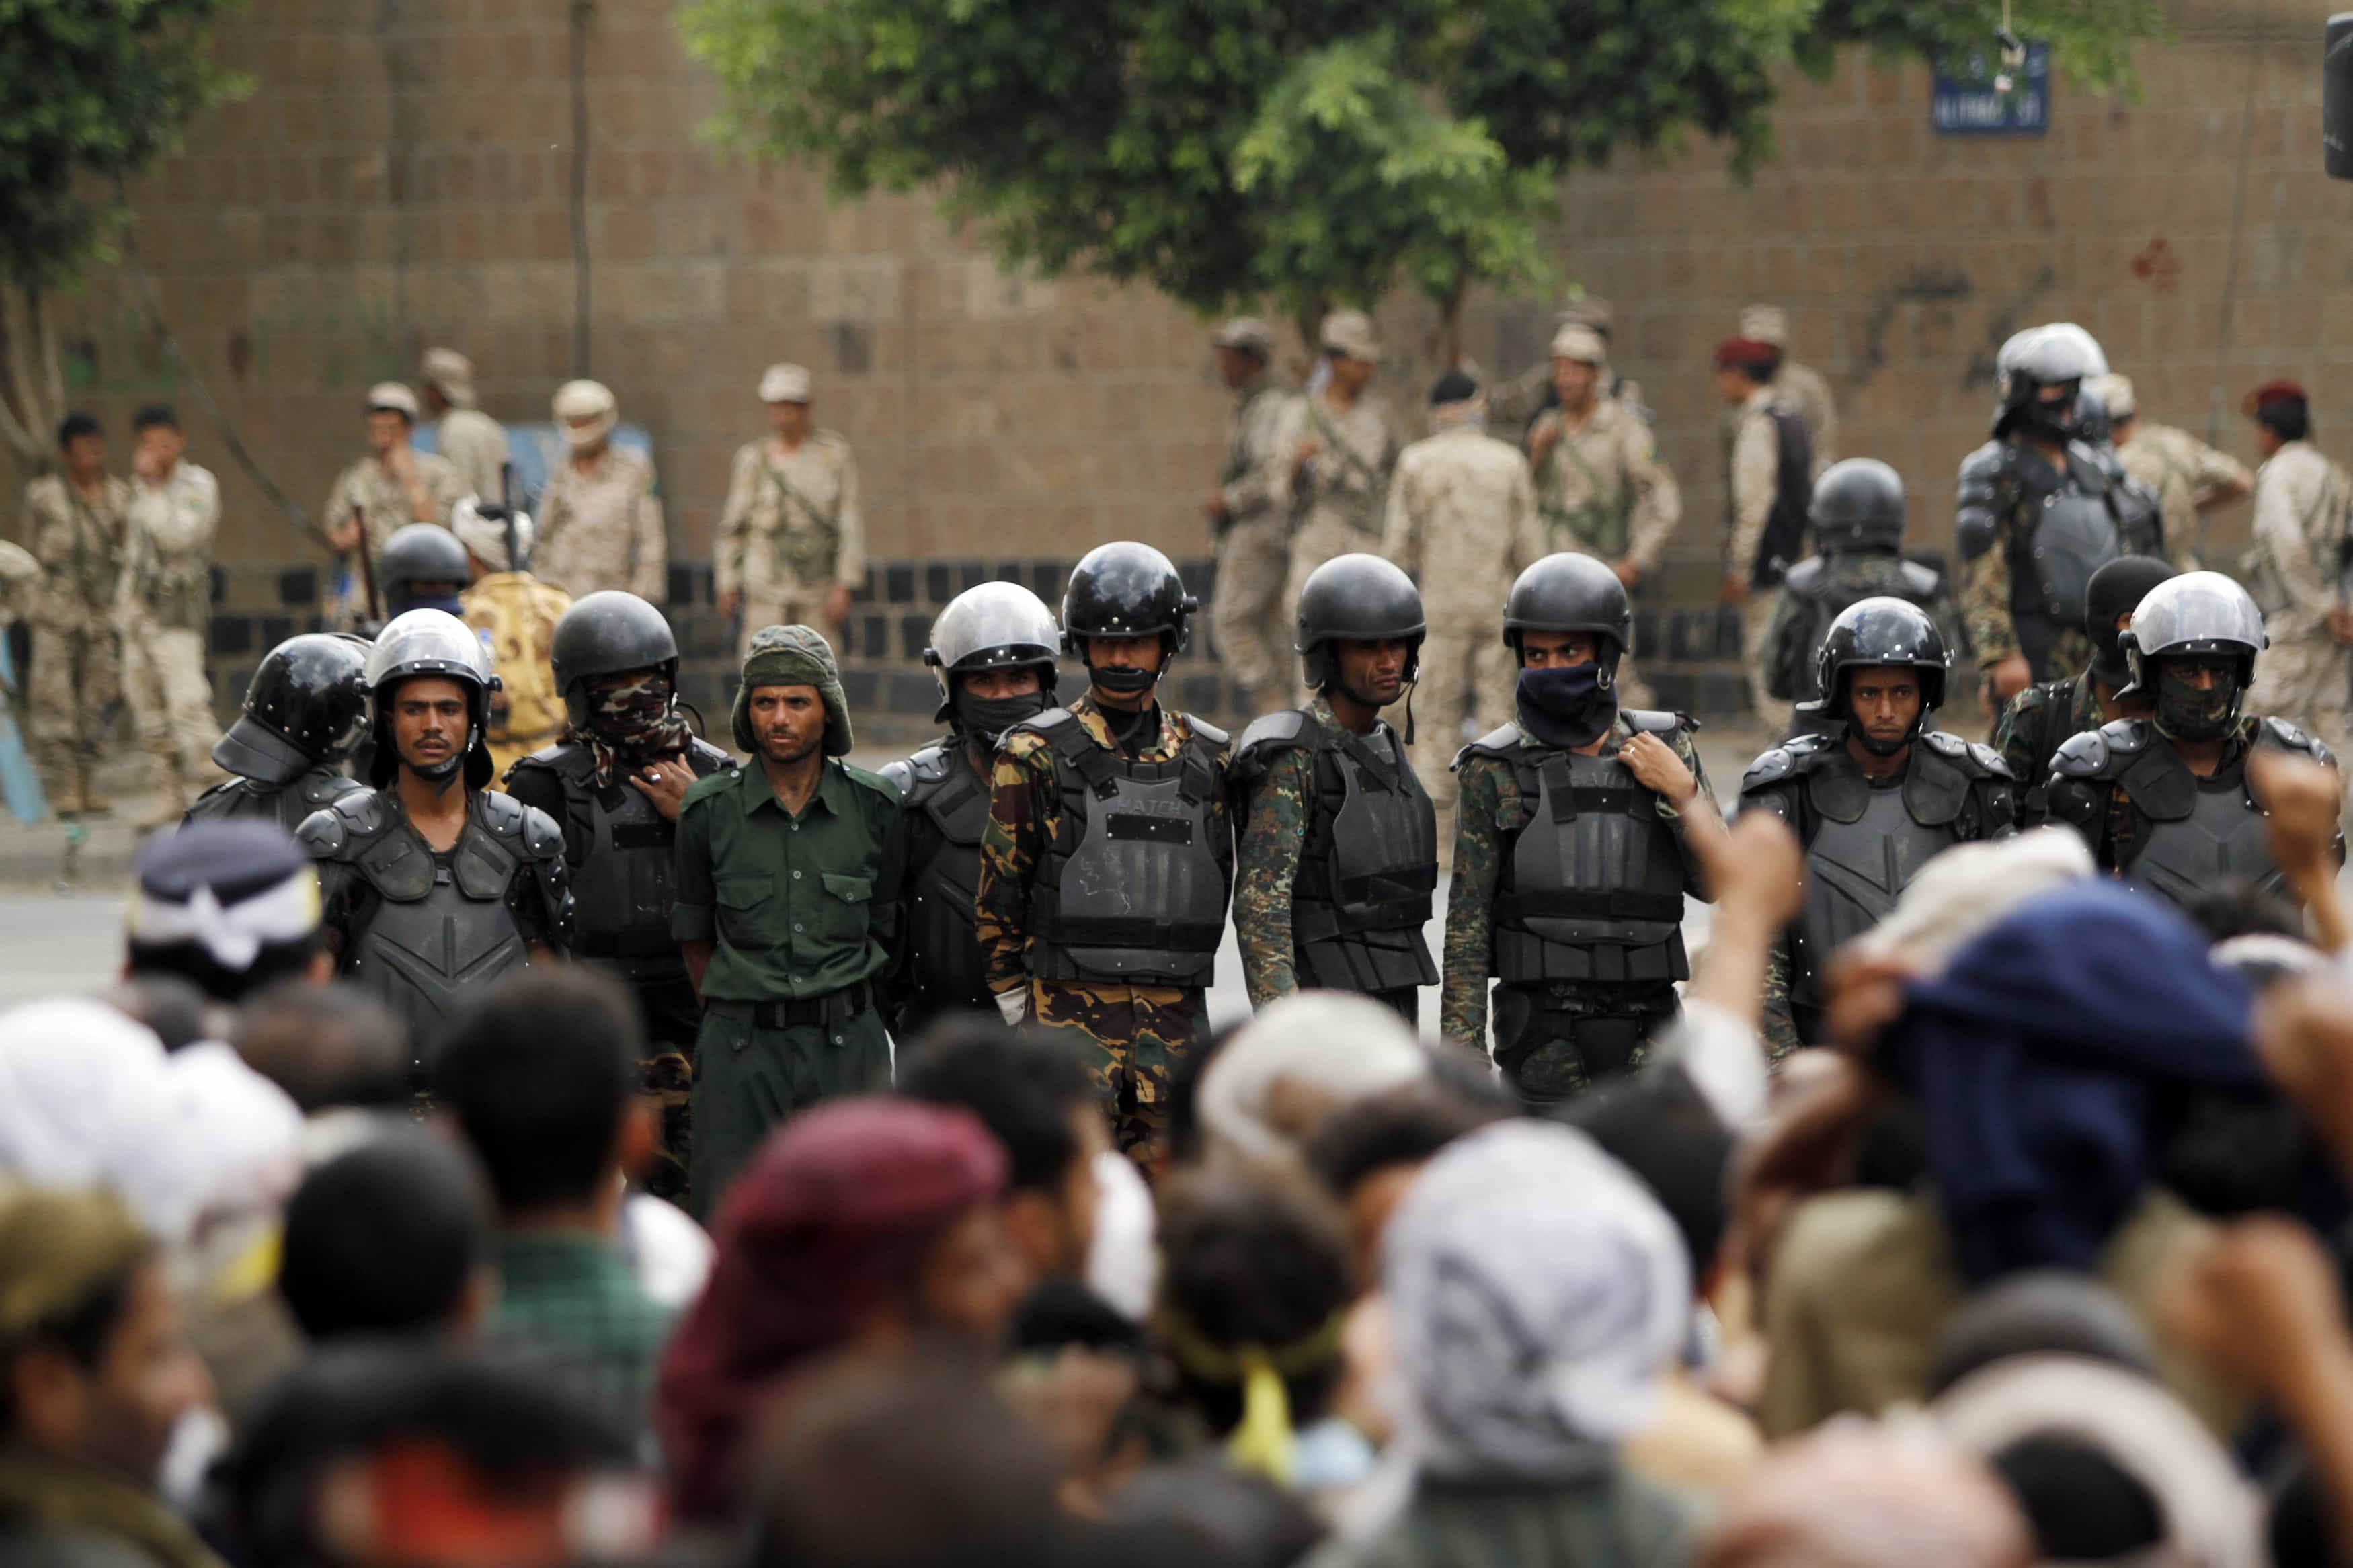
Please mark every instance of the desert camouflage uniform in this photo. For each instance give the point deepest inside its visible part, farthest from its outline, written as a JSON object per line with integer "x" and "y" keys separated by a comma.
{"x": 1462, "y": 524}
{"x": 791, "y": 530}
{"x": 603, "y": 528}
{"x": 2181, "y": 471}
{"x": 2035, "y": 723}
{"x": 476, "y": 446}
{"x": 1493, "y": 812}
{"x": 77, "y": 670}
{"x": 1342, "y": 496}
{"x": 1135, "y": 1034}
{"x": 1514, "y": 405}
{"x": 515, "y": 615}
{"x": 1248, "y": 624}
{"x": 1602, "y": 491}
{"x": 1802, "y": 390}
{"x": 2294, "y": 569}
{"x": 1753, "y": 479}
{"x": 163, "y": 605}
{"x": 384, "y": 511}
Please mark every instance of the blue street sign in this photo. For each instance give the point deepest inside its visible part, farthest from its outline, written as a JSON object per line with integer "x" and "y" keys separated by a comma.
{"x": 1968, "y": 102}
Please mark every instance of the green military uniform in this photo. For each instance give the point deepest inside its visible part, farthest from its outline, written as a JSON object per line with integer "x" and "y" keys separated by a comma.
{"x": 800, "y": 916}
{"x": 2037, "y": 722}
{"x": 1134, "y": 1033}
{"x": 1493, "y": 811}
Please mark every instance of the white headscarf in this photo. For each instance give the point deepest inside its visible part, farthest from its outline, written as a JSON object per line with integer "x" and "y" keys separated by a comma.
{"x": 1538, "y": 1293}
{"x": 77, "y": 1082}
{"x": 1968, "y": 888}
{"x": 231, "y": 1143}
{"x": 1327, "y": 1043}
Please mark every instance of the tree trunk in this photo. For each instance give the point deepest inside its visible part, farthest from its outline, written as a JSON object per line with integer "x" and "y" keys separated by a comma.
{"x": 32, "y": 383}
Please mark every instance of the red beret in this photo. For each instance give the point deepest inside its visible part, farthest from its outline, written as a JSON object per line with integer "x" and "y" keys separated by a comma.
{"x": 2280, "y": 391}
{"x": 1745, "y": 352}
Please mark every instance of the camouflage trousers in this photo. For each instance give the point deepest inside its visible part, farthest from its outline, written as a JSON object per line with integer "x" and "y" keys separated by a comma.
{"x": 1134, "y": 1036}
{"x": 1246, "y": 620}
{"x": 1553, "y": 1041}
{"x": 2308, "y": 682}
{"x": 774, "y": 606}
{"x": 1466, "y": 684}
{"x": 1756, "y": 655}
{"x": 74, "y": 683}
{"x": 172, "y": 705}
{"x": 666, "y": 1080}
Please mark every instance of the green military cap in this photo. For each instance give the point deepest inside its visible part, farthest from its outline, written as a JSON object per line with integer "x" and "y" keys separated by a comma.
{"x": 793, "y": 656}
{"x": 57, "y": 1248}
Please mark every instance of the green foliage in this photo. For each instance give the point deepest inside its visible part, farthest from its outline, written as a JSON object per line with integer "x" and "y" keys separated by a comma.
{"x": 1312, "y": 151}
{"x": 91, "y": 91}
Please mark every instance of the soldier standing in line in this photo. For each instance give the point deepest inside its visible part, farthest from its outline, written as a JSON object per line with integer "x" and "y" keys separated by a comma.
{"x": 165, "y": 608}
{"x": 431, "y": 885}
{"x": 1513, "y": 406}
{"x": 1249, "y": 513}
{"x": 2298, "y": 569}
{"x": 786, "y": 868}
{"x": 305, "y": 710}
{"x": 614, "y": 783}
{"x": 1336, "y": 853}
{"x": 1349, "y": 445}
{"x": 2045, "y": 716}
{"x": 1800, "y": 388}
{"x": 1570, "y": 860}
{"x": 1600, "y": 488}
{"x": 1463, "y": 522}
{"x": 1108, "y": 858}
{"x": 75, "y": 525}
{"x": 515, "y": 614}
{"x": 2188, "y": 477}
{"x": 792, "y": 539}
{"x": 474, "y": 443}
{"x": 1768, "y": 488}
{"x": 600, "y": 517}
{"x": 993, "y": 650}
{"x": 394, "y": 486}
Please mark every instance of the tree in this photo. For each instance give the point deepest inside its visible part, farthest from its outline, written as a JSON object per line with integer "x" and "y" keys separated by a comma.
{"x": 92, "y": 91}
{"x": 1310, "y": 151}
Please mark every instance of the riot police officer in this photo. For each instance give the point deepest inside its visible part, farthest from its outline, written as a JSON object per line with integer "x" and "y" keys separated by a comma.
{"x": 1871, "y": 798}
{"x": 305, "y": 709}
{"x": 2140, "y": 519}
{"x": 2165, "y": 801}
{"x": 1570, "y": 860}
{"x": 1337, "y": 851}
{"x": 423, "y": 567}
{"x": 2037, "y": 515}
{"x": 2050, "y": 713}
{"x": 1858, "y": 516}
{"x": 431, "y": 885}
{"x": 993, "y": 652}
{"x": 1108, "y": 857}
{"x": 613, "y": 785}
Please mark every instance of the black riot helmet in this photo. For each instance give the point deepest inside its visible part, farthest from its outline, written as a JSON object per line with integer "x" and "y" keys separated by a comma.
{"x": 2114, "y": 591}
{"x": 995, "y": 625}
{"x": 1572, "y": 593}
{"x": 1858, "y": 505}
{"x": 420, "y": 552}
{"x": 1356, "y": 598}
{"x": 608, "y": 633}
{"x": 431, "y": 643}
{"x": 2060, "y": 354}
{"x": 2199, "y": 614}
{"x": 1126, "y": 590}
{"x": 1883, "y": 632}
{"x": 306, "y": 707}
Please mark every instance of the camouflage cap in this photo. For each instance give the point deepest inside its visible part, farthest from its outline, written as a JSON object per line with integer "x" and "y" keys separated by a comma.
{"x": 1582, "y": 344}
{"x": 391, "y": 397}
{"x": 784, "y": 384}
{"x": 57, "y": 1248}
{"x": 450, "y": 371}
{"x": 1589, "y": 311}
{"x": 1766, "y": 324}
{"x": 1245, "y": 332}
{"x": 793, "y": 656}
{"x": 1349, "y": 332}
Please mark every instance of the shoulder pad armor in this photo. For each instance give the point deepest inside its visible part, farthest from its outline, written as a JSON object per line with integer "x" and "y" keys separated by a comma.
{"x": 902, "y": 774}
{"x": 1921, "y": 581}
{"x": 1207, "y": 732}
{"x": 1272, "y": 729}
{"x": 927, "y": 766}
{"x": 541, "y": 838}
{"x": 1501, "y": 742}
{"x": 501, "y": 815}
{"x": 866, "y": 779}
{"x": 1769, "y": 769}
{"x": 1655, "y": 721}
{"x": 2280, "y": 732}
{"x": 323, "y": 835}
{"x": 2087, "y": 468}
{"x": 2084, "y": 756}
{"x": 1977, "y": 760}
{"x": 1039, "y": 723}
{"x": 1945, "y": 745}
{"x": 1804, "y": 579}
{"x": 2127, "y": 735}
{"x": 321, "y": 788}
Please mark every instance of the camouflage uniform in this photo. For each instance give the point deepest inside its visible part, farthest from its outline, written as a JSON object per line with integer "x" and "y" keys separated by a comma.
{"x": 1493, "y": 811}
{"x": 1247, "y": 620}
{"x": 77, "y": 672}
{"x": 1753, "y": 486}
{"x": 603, "y": 527}
{"x": 1462, "y": 524}
{"x": 1602, "y": 491}
{"x": 2181, "y": 471}
{"x": 1986, "y": 580}
{"x": 1802, "y": 390}
{"x": 476, "y": 446}
{"x": 2035, "y": 723}
{"x": 384, "y": 511}
{"x": 164, "y": 605}
{"x": 1341, "y": 495}
{"x": 791, "y": 530}
{"x": 1135, "y": 1034}
{"x": 2294, "y": 572}
{"x": 516, "y": 615}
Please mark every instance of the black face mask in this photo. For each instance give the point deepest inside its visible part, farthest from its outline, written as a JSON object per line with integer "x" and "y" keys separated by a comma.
{"x": 2186, "y": 713}
{"x": 1569, "y": 706}
{"x": 984, "y": 719}
{"x": 1121, "y": 680}
{"x": 2048, "y": 421}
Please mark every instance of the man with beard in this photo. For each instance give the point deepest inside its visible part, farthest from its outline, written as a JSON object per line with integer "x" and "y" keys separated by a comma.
{"x": 1872, "y": 799}
{"x": 993, "y": 648}
{"x": 2045, "y": 716}
{"x": 1570, "y": 860}
{"x": 786, "y": 870}
{"x": 2166, "y": 801}
{"x": 1108, "y": 857}
{"x": 1337, "y": 848}
{"x": 431, "y": 883}
{"x": 614, "y": 783}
